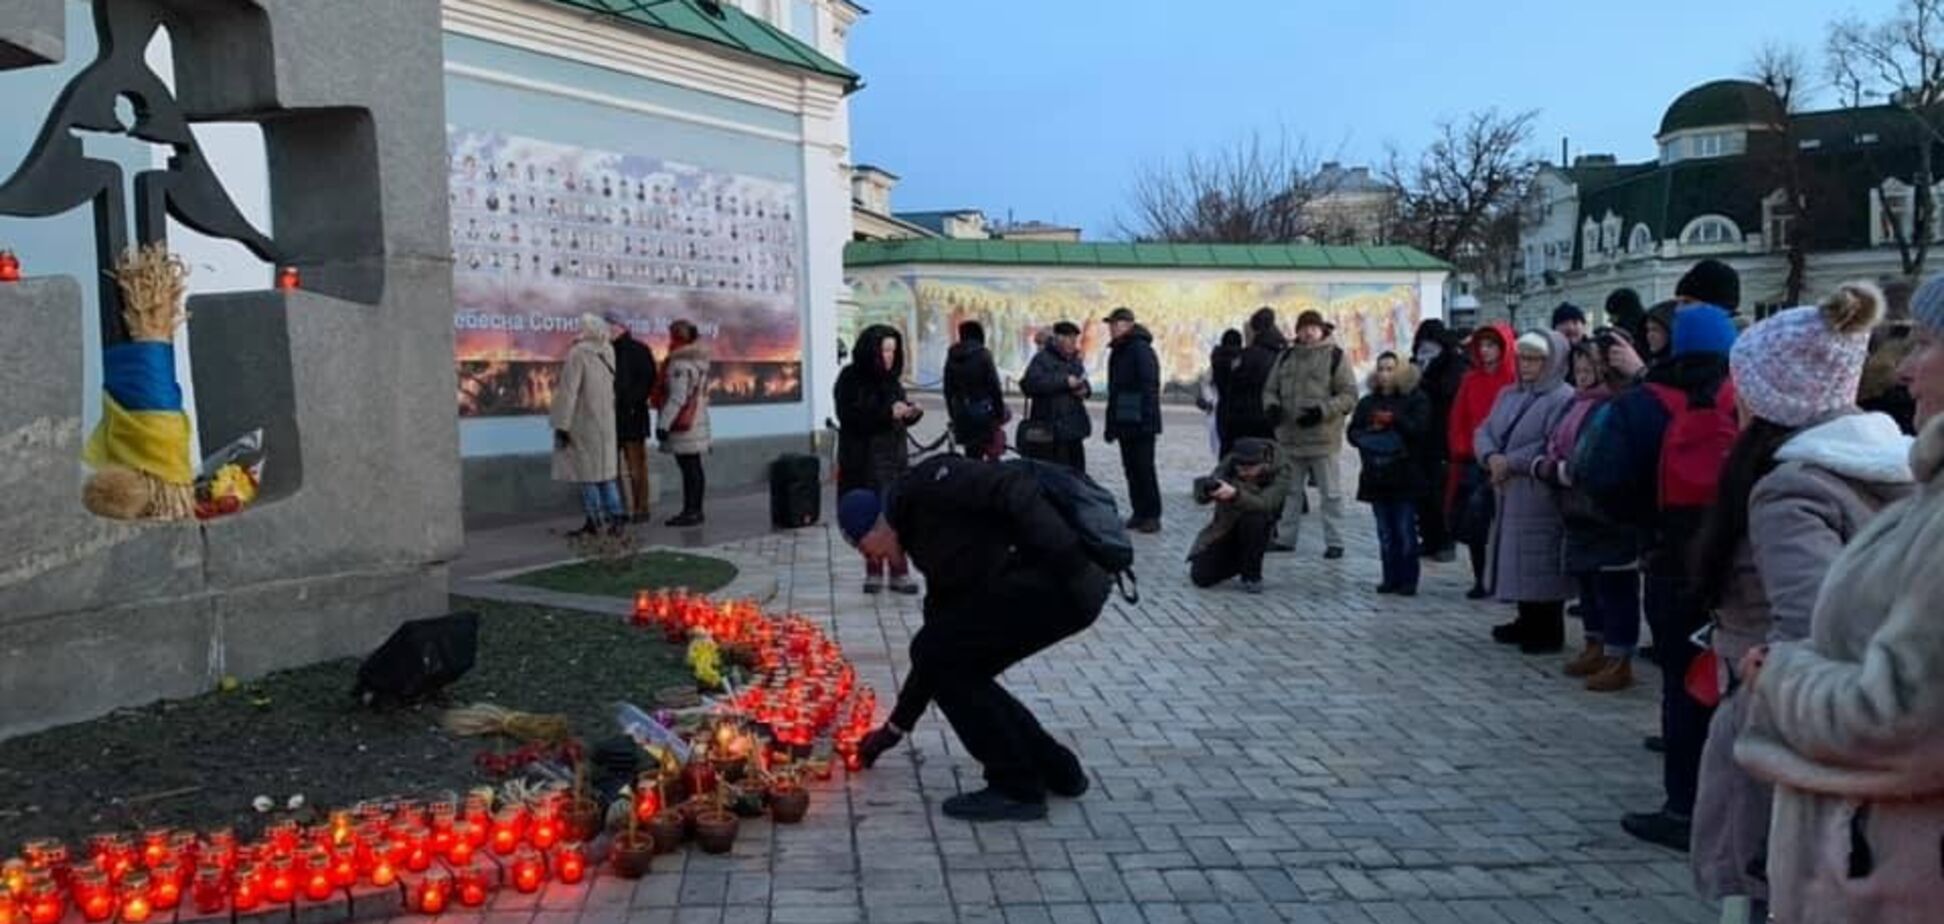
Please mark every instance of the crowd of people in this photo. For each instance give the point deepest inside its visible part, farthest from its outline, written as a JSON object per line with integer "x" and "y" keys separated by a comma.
{"x": 1765, "y": 495}
{"x": 611, "y": 388}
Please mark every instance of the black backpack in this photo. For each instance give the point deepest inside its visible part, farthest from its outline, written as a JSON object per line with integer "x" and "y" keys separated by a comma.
{"x": 1091, "y": 511}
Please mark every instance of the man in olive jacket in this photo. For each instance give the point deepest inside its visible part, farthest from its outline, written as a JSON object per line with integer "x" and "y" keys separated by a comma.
{"x": 1246, "y": 490}
{"x": 1309, "y": 395}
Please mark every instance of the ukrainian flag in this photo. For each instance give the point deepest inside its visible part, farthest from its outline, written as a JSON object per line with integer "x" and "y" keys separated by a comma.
{"x": 143, "y": 426}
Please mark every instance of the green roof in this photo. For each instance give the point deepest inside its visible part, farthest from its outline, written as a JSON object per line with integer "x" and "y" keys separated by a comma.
{"x": 1145, "y": 256}
{"x": 721, "y": 24}
{"x": 1723, "y": 103}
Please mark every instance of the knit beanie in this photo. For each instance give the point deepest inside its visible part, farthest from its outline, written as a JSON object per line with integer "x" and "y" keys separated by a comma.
{"x": 857, "y": 512}
{"x": 1702, "y": 329}
{"x": 1712, "y": 282}
{"x": 1927, "y": 306}
{"x": 1805, "y": 363}
{"x": 1567, "y": 311}
{"x": 1535, "y": 342}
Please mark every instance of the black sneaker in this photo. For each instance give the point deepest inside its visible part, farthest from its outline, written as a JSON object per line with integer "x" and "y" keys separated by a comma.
{"x": 1386, "y": 589}
{"x": 1509, "y": 633}
{"x": 989, "y": 804}
{"x": 1145, "y": 526}
{"x": 1333, "y": 552}
{"x": 1405, "y": 592}
{"x": 684, "y": 519}
{"x": 1252, "y": 586}
{"x": 1654, "y": 743}
{"x": 1664, "y": 828}
{"x": 1065, "y": 777}
{"x": 1281, "y": 547}
{"x": 1477, "y": 593}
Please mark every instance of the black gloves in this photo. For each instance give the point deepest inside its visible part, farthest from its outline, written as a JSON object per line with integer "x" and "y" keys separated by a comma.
{"x": 1310, "y": 417}
{"x": 882, "y": 739}
{"x": 562, "y": 439}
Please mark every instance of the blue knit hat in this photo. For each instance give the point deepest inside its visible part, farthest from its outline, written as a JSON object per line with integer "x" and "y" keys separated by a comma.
{"x": 1703, "y": 329}
{"x": 1927, "y": 306}
{"x": 857, "y": 512}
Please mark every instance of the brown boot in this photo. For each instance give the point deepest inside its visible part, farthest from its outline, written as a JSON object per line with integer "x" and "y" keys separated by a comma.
{"x": 1617, "y": 675}
{"x": 1589, "y": 662}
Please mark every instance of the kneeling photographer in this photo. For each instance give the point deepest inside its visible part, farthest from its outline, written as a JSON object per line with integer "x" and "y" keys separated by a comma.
{"x": 1247, "y": 489}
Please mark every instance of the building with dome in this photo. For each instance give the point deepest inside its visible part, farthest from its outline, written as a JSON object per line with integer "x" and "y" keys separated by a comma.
{"x": 1719, "y": 189}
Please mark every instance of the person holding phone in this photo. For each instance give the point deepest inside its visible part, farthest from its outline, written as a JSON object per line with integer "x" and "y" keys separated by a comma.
{"x": 1247, "y": 490}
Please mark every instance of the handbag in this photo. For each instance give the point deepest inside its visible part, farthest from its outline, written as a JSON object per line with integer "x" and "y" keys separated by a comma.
{"x": 1034, "y": 435}
{"x": 1703, "y": 678}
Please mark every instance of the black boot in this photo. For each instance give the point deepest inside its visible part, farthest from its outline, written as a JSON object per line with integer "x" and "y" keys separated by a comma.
{"x": 992, "y": 805}
{"x": 1512, "y": 633}
{"x": 1544, "y": 634}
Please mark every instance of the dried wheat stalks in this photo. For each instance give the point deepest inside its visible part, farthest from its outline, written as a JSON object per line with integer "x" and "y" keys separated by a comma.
{"x": 153, "y": 282}
{"x": 481, "y": 719}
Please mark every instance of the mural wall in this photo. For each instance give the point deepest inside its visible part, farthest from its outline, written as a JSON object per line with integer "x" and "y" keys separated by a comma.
{"x": 1186, "y": 316}
{"x": 542, "y": 233}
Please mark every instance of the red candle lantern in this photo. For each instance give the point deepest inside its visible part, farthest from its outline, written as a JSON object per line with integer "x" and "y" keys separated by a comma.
{"x": 209, "y": 894}
{"x": 166, "y": 893}
{"x": 508, "y": 827}
{"x": 644, "y": 612}
{"x": 544, "y": 832}
{"x": 434, "y": 892}
{"x": 317, "y": 875}
{"x": 9, "y": 266}
{"x": 222, "y": 848}
{"x": 417, "y": 850}
{"x": 9, "y": 910}
{"x": 155, "y": 847}
{"x": 528, "y": 871}
{"x": 137, "y": 906}
{"x": 94, "y": 895}
{"x": 472, "y": 885}
{"x": 462, "y": 847}
{"x": 288, "y": 278}
{"x": 45, "y": 902}
{"x": 280, "y": 880}
{"x": 647, "y": 798}
{"x": 246, "y": 893}
{"x": 383, "y": 873}
{"x": 13, "y": 877}
{"x": 48, "y": 856}
{"x": 570, "y": 863}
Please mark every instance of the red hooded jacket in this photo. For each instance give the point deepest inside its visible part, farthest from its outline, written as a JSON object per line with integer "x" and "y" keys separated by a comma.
{"x": 1476, "y": 395}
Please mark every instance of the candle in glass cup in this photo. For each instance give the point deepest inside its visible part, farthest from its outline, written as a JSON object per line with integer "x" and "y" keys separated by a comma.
{"x": 528, "y": 870}
{"x": 209, "y": 894}
{"x": 166, "y": 892}
{"x": 509, "y": 825}
{"x": 472, "y": 885}
{"x": 280, "y": 880}
{"x": 246, "y": 889}
{"x": 137, "y": 904}
{"x": 94, "y": 895}
{"x": 417, "y": 848}
{"x": 13, "y": 876}
{"x": 45, "y": 902}
{"x": 316, "y": 875}
{"x": 544, "y": 831}
{"x": 570, "y": 863}
{"x": 434, "y": 892}
{"x": 383, "y": 873}
{"x": 344, "y": 869}
{"x": 460, "y": 850}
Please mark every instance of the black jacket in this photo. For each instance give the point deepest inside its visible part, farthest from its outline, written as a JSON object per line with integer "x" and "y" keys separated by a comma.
{"x": 1243, "y": 397}
{"x": 1438, "y": 380}
{"x": 1626, "y": 439}
{"x": 1045, "y": 386}
{"x": 985, "y": 537}
{"x": 1393, "y": 454}
{"x": 634, "y": 378}
{"x": 973, "y": 399}
{"x": 871, "y": 451}
{"x": 1133, "y": 386}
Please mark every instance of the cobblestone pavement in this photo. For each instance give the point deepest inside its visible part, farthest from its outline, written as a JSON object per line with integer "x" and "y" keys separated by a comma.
{"x": 1314, "y": 754}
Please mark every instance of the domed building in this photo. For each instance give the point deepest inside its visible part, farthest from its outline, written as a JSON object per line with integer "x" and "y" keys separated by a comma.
{"x": 1719, "y": 189}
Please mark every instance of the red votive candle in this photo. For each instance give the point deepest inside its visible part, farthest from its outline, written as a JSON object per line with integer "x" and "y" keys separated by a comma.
{"x": 434, "y": 893}
{"x": 166, "y": 893}
{"x": 94, "y": 895}
{"x": 570, "y": 863}
{"x": 209, "y": 894}
{"x": 280, "y": 881}
{"x": 137, "y": 906}
{"x": 507, "y": 829}
{"x": 45, "y": 902}
{"x": 317, "y": 876}
{"x": 246, "y": 893}
{"x": 529, "y": 871}
{"x": 472, "y": 885}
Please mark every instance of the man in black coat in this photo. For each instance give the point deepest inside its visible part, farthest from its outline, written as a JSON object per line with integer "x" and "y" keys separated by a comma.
{"x": 634, "y": 378}
{"x": 973, "y": 400}
{"x": 1134, "y": 414}
{"x": 1005, "y": 578}
{"x": 1056, "y": 391}
{"x": 1441, "y": 363}
{"x": 1243, "y": 394}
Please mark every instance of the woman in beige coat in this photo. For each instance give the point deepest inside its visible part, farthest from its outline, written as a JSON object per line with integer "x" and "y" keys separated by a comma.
{"x": 1849, "y": 726}
{"x": 585, "y": 452}
{"x": 682, "y": 415}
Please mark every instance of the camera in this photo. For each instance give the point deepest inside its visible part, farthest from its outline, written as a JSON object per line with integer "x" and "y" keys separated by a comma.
{"x": 1205, "y": 488}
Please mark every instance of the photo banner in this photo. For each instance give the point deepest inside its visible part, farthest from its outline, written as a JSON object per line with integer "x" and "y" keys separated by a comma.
{"x": 543, "y": 233}
{"x": 1186, "y": 317}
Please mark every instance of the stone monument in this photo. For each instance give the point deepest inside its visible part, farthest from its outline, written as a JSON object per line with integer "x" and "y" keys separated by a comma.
{"x": 348, "y": 376}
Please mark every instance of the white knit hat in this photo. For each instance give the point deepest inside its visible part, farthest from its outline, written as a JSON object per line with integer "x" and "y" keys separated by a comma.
{"x": 1535, "y": 342}
{"x": 1805, "y": 363}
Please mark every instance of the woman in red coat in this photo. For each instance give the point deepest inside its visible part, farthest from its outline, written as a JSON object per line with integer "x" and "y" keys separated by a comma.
{"x": 1468, "y": 492}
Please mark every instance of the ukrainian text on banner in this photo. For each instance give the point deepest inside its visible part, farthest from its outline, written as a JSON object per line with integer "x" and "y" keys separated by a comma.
{"x": 543, "y": 233}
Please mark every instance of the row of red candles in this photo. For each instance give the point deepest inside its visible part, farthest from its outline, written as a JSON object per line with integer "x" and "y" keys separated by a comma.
{"x": 809, "y": 687}
{"x": 443, "y": 849}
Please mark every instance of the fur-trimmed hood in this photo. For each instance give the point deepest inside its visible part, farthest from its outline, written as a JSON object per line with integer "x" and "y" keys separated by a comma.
{"x": 1860, "y": 447}
{"x": 1406, "y": 380}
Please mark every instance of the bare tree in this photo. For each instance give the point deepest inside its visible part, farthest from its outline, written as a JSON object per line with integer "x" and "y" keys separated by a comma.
{"x": 1900, "y": 61}
{"x": 1459, "y": 198}
{"x": 1784, "y": 70}
{"x": 1254, "y": 192}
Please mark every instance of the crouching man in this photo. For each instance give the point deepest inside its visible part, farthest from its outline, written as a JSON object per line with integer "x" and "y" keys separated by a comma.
{"x": 1247, "y": 490}
{"x": 1005, "y": 578}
